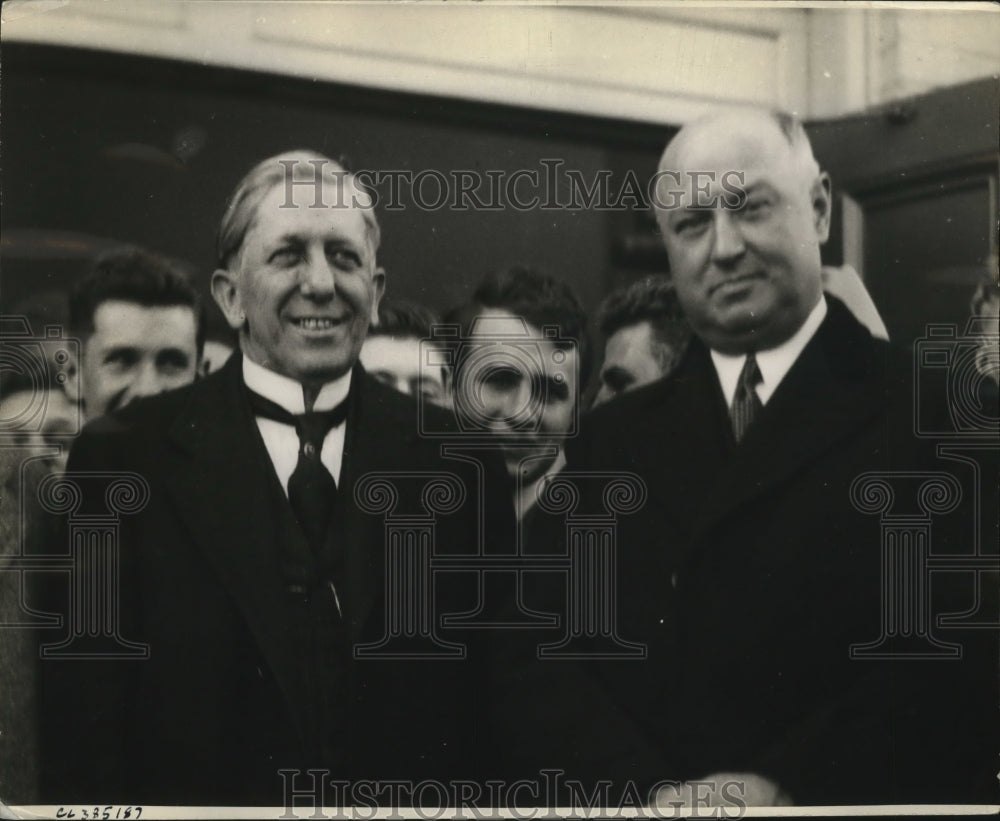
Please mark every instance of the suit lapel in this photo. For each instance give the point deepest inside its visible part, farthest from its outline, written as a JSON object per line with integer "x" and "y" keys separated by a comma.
{"x": 688, "y": 422}
{"x": 379, "y": 436}
{"x": 223, "y": 484}
{"x": 832, "y": 388}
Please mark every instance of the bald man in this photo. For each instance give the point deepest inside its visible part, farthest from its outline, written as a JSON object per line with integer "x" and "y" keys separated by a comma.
{"x": 750, "y": 574}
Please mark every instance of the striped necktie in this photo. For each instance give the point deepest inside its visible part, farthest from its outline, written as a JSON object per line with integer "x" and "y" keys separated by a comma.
{"x": 746, "y": 404}
{"x": 312, "y": 489}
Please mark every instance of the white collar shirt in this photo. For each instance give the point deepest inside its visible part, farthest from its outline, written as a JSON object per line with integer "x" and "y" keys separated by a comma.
{"x": 281, "y": 440}
{"x": 774, "y": 363}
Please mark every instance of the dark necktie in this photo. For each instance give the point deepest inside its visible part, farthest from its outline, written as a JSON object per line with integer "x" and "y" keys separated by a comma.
{"x": 746, "y": 404}
{"x": 312, "y": 490}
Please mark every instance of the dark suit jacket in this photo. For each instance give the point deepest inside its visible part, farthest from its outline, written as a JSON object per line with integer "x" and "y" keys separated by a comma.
{"x": 749, "y": 573}
{"x": 230, "y": 693}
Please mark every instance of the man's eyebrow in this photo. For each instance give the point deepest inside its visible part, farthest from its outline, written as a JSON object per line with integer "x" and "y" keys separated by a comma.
{"x": 340, "y": 241}
{"x": 173, "y": 350}
{"x": 757, "y": 185}
{"x": 287, "y": 239}
{"x": 120, "y": 349}
{"x": 684, "y": 211}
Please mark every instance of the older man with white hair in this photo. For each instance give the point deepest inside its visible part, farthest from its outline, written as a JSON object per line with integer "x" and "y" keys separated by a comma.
{"x": 255, "y": 572}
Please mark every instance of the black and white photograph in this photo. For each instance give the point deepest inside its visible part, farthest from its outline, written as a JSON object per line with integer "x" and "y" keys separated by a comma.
{"x": 499, "y": 409}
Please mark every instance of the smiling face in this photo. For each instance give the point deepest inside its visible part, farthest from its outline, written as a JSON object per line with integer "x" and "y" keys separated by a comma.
{"x": 303, "y": 287}
{"x": 529, "y": 399}
{"x": 746, "y": 277}
{"x": 136, "y": 350}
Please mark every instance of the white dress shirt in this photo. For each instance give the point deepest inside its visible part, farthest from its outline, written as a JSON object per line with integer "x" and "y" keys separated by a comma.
{"x": 773, "y": 363}
{"x": 281, "y": 440}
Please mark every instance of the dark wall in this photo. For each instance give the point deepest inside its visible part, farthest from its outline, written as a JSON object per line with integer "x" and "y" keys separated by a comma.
{"x": 99, "y": 147}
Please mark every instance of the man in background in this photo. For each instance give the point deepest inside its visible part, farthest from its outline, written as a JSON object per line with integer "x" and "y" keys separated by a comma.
{"x": 391, "y": 352}
{"x": 645, "y": 334}
{"x": 645, "y": 331}
{"x": 529, "y": 358}
{"x": 37, "y": 423}
{"x": 141, "y": 330}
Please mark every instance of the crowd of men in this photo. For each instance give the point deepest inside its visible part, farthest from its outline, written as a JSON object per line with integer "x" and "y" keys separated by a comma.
{"x": 745, "y": 392}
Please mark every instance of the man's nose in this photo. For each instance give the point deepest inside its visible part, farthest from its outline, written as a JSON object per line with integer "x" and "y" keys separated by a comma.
{"x": 727, "y": 241}
{"x": 147, "y": 382}
{"x": 319, "y": 279}
{"x": 503, "y": 407}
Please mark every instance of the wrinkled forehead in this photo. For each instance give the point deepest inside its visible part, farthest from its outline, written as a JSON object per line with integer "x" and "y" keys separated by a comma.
{"x": 311, "y": 183}
{"x": 306, "y": 181}
{"x": 328, "y": 203}
{"x": 117, "y": 320}
{"x": 329, "y": 207}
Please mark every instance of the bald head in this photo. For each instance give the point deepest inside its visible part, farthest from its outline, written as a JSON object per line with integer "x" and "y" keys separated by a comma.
{"x": 744, "y": 208}
{"x": 745, "y": 121}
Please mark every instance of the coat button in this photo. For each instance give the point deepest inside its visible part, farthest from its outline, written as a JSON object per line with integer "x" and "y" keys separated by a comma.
{"x": 674, "y": 579}
{"x": 309, "y": 449}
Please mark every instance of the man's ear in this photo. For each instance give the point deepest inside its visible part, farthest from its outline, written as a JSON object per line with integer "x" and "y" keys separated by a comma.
{"x": 226, "y": 293}
{"x": 71, "y": 385}
{"x": 821, "y": 196}
{"x": 378, "y": 282}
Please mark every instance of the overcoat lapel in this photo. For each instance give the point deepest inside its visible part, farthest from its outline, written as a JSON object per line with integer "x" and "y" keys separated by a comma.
{"x": 222, "y": 482}
{"x": 688, "y": 423}
{"x": 380, "y": 435}
{"x": 833, "y": 387}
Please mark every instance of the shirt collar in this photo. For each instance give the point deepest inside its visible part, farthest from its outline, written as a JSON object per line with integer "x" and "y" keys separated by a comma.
{"x": 774, "y": 363}
{"x": 288, "y": 393}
